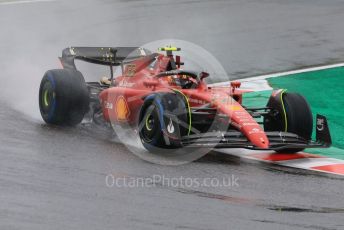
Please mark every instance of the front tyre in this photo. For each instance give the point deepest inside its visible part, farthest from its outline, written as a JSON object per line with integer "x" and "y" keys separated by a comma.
{"x": 63, "y": 97}
{"x": 290, "y": 113}
{"x": 163, "y": 121}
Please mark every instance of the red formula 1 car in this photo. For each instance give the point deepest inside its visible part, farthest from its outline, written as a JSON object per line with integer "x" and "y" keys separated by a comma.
{"x": 174, "y": 108}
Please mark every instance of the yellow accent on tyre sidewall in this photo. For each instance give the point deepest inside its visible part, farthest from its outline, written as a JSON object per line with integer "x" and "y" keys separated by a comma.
{"x": 284, "y": 112}
{"x": 147, "y": 124}
{"x": 189, "y": 110}
{"x": 45, "y": 98}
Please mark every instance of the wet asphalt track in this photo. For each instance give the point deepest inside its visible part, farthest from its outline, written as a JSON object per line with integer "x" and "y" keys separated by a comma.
{"x": 54, "y": 178}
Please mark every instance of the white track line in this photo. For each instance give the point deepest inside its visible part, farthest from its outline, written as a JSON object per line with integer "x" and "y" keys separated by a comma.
{"x": 12, "y": 2}
{"x": 259, "y": 82}
{"x": 280, "y": 74}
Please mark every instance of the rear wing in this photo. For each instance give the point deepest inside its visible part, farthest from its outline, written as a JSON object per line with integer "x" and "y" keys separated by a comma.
{"x": 111, "y": 56}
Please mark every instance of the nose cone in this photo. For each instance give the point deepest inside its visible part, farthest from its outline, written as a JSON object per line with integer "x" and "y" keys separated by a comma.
{"x": 259, "y": 139}
{"x": 246, "y": 123}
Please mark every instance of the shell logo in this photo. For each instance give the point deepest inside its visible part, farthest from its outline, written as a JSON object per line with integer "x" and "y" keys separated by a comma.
{"x": 122, "y": 109}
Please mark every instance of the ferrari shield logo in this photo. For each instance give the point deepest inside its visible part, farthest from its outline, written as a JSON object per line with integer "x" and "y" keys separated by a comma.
{"x": 234, "y": 107}
{"x": 131, "y": 70}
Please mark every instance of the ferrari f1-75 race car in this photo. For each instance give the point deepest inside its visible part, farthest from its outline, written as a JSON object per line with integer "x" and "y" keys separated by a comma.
{"x": 173, "y": 108}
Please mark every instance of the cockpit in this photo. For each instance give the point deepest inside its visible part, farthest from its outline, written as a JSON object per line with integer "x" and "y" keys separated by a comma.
{"x": 180, "y": 78}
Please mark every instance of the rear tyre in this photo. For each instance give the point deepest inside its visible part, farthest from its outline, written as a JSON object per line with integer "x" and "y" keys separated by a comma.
{"x": 63, "y": 97}
{"x": 293, "y": 114}
{"x": 154, "y": 119}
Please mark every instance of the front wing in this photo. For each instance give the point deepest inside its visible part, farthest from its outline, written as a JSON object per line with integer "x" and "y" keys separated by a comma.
{"x": 278, "y": 140}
